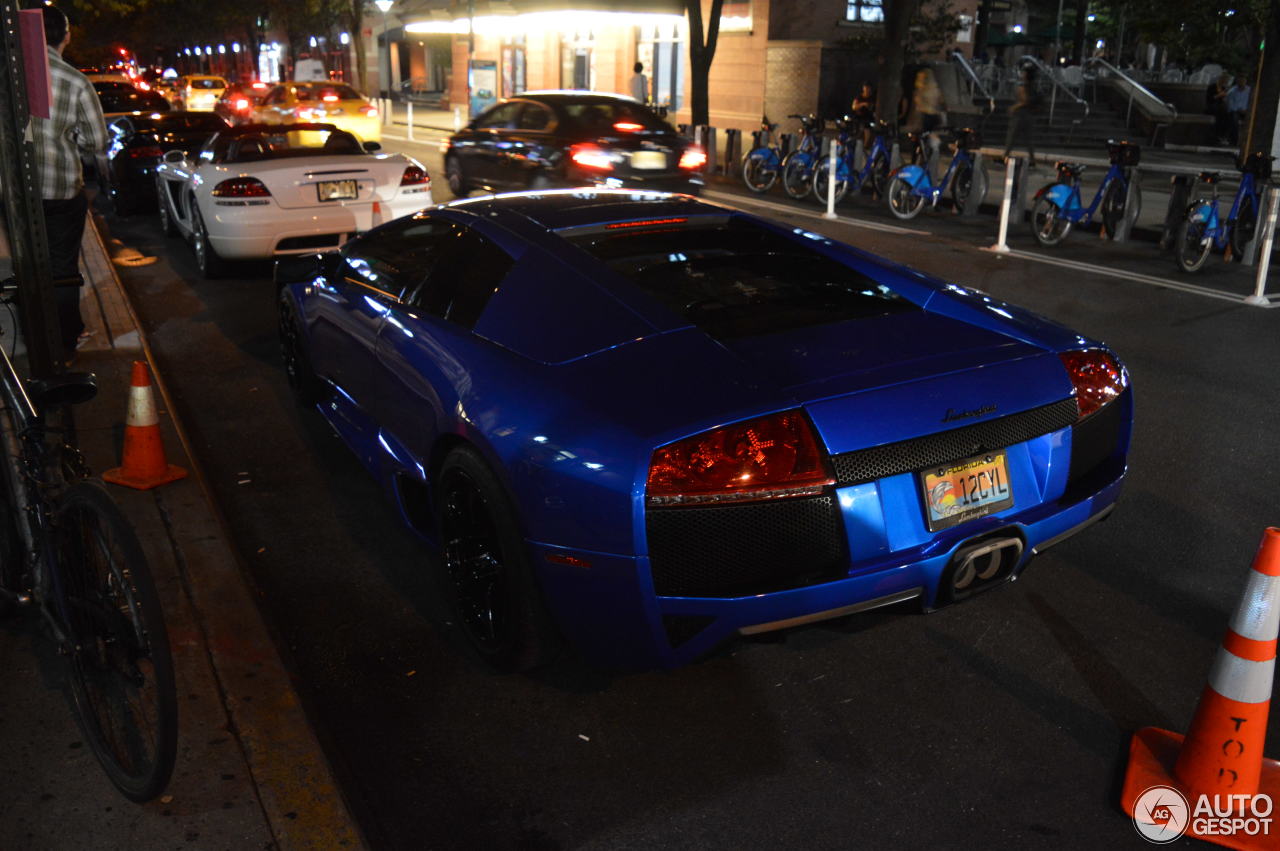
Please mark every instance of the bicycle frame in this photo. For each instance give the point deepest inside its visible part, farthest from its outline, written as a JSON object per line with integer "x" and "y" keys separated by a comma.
{"x": 1069, "y": 201}
{"x": 1205, "y": 211}
{"x": 845, "y": 164}
{"x": 921, "y": 182}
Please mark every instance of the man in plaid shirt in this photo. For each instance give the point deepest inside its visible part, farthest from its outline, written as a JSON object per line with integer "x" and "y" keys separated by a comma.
{"x": 76, "y": 127}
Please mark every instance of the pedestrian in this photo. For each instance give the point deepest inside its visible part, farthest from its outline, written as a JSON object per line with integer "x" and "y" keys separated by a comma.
{"x": 640, "y": 84}
{"x": 1215, "y": 104}
{"x": 864, "y": 103}
{"x": 1022, "y": 116}
{"x": 928, "y": 102}
{"x": 1237, "y": 105}
{"x": 75, "y": 128}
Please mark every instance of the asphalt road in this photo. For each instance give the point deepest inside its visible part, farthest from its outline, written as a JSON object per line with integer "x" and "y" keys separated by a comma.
{"x": 1001, "y": 722}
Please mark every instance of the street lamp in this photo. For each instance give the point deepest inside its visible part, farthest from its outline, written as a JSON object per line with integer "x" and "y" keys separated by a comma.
{"x": 384, "y": 6}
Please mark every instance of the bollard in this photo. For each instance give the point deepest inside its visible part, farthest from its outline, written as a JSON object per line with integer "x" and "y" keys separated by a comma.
{"x": 1002, "y": 246}
{"x": 410, "y": 121}
{"x": 977, "y": 189}
{"x": 457, "y": 119}
{"x": 895, "y": 157}
{"x": 1268, "y": 240}
{"x": 732, "y": 150}
{"x": 1018, "y": 208}
{"x": 834, "y": 148}
{"x": 859, "y": 155}
{"x": 1179, "y": 198}
{"x": 1132, "y": 196}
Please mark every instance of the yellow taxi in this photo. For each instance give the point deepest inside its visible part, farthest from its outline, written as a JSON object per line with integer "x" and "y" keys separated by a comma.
{"x": 200, "y": 93}
{"x": 328, "y": 103}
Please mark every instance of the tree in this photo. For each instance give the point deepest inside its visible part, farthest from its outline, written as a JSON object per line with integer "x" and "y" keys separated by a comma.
{"x": 353, "y": 19}
{"x": 701, "y": 52}
{"x": 1262, "y": 124}
{"x": 898, "y": 15}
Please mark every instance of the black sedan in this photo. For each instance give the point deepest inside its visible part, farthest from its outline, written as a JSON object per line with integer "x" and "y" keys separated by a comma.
{"x": 571, "y": 138}
{"x": 122, "y": 99}
{"x": 137, "y": 142}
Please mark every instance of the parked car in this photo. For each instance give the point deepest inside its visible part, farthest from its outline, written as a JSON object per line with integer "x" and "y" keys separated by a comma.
{"x": 238, "y": 101}
{"x": 543, "y": 139}
{"x": 332, "y": 103}
{"x": 256, "y": 191}
{"x": 651, "y": 424}
{"x": 137, "y": 142}
{"x": 200, "y": 92}
{"x": 119, "y": 100}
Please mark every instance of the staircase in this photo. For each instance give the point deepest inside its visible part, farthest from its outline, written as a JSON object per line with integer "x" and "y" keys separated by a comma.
{"x": 1070, "y": 128}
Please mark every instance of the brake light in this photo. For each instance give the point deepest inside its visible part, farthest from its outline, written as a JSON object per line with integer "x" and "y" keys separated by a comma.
{"x": 591, "y": 156}
{"x": 646, "y": 223}
{"x": 771, "y": 457}
{"x": 628, "y": 126}
{"x": 414, "y": 176}
{"x": 242, "y": 104}
{"x": 693, "y": 157}
{"x": 1096, "y": 376}
{"x": 142, "y": 84}
{"x": 241, "y": 187}
{"x": 330, "y": 98}
{"x": 148, "y": 151}
{"x": 369, "y": 110}
{"x": 259, "y": 85}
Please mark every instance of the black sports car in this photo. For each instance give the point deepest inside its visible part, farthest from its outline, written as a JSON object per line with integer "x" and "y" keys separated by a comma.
{"x": 137, "y": 144}
{"x": 119, "y": 99}
{"x": 571, "y": 138}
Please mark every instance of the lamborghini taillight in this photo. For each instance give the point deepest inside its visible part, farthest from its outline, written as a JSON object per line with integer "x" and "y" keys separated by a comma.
{"x": 1096, "y": 376}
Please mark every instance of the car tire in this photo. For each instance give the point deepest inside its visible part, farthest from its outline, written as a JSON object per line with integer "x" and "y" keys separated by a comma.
{"x": 455, "y": 178}
{"x": 487, "y": 572}
{"x": 307, "y": 388}
{"x": 207, "y": 260}
{"x": 168, "y": 226}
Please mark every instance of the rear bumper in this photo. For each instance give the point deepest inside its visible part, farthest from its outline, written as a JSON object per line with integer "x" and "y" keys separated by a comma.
{"x": 258, "y": 232}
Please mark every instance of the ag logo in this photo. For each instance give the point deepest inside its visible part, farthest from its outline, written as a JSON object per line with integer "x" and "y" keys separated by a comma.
{"x": 1161, "y": 814}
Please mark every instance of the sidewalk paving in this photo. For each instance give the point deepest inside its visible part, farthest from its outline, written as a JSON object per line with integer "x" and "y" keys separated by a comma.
{"x": 249, "y": 773}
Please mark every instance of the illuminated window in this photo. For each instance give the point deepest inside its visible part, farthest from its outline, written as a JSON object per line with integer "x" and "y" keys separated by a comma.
{"x": 865, "y": 11}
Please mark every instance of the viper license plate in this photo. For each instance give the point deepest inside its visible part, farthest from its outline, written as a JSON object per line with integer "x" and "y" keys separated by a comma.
{"x": 337, "y": 190}
{"x": 963, "y": 490}
{"x": 648, "y": 160}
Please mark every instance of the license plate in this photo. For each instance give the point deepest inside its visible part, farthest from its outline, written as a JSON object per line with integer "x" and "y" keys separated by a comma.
{"x": 337, "y": 190}
{"x": 648, "y": 160}
{"x": 963, "y": 490}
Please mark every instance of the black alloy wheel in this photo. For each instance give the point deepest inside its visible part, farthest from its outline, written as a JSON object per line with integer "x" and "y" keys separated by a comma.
{"x": 306, "y": 387}
{"x": 167, "y": 225}
{"x": 453, "y": 174}
{"x": 207, "y": 260}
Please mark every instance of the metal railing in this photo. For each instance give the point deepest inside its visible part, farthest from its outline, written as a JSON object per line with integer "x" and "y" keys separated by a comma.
{"x": 976, "y": 87}
{"x": 1047, "y": 73}
{"x": 1134, "y": 87}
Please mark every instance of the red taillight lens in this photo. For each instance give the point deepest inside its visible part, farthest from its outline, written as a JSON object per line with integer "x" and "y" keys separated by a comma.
{"x": 1096, "y": 376}
{"x": 242, "y": 104}
{"x": 145, "y": 152}
{"x": 414, "y": 176}
{"x": 330, "y": 98}
{"x": 628, "y": 126}
{"x": 241, "y": 187}
{"x": 591, "y": 156}
{"x": 693, "y": 158}
{"x": 771, "y": 457}
{"x": 369, "y": 110}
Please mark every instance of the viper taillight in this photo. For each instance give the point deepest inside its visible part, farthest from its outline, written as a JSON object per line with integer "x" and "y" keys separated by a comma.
{"x": 693, "y": 158}
{"x": 241, "y": 187}
{"x": 1097, "y": 377}
{"x": 414, "y": 176}
{"x": 591, "y": 156}
{"x": 771, "y": 457}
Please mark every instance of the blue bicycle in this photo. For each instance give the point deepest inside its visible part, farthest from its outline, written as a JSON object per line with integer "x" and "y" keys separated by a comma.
{"x": 1202, "y": 229}
{"x": 1058, "y": 205}
{"x": 762, "y": 164}
{"x": 912, "y": 185}
{"x": 875, "y": 169}
{"x": 797, "y": 169}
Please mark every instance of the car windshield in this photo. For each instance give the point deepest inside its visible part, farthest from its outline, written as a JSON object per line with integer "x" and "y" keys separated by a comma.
{"x": 132, "y": 101}
{"x": 111, "y": 86}
{"x": 736, "y": 279}
{"x": 183, "y": 122}
{"x": 599, "y": 116}
{"x": 298, "y": 142}
{"x": 325, "y": 90}
{"x": 207, "y": 83}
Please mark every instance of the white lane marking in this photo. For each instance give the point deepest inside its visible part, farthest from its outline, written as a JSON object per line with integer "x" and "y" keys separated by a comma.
{"x": 1133, "y": 276}
{"x": 783, "y": 208}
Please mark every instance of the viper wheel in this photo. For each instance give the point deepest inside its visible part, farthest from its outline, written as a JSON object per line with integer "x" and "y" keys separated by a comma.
{"x": 207, "y": 260}
{"x": 167, "y": 225}
{"x": 306, "y": 387}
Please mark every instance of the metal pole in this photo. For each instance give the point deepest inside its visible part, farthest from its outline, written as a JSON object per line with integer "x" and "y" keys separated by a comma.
{"x": 409, "y": 105}
{"x": 1057, "y": 37}
{"x": 1264, "y": 262}
{"x": 831, "y": 182}
{"x": 471, "y": 47}
{"x": 1002, "y": 247}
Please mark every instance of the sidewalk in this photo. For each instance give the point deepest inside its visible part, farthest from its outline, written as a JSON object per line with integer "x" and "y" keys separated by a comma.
{"x": 249, "y": 773}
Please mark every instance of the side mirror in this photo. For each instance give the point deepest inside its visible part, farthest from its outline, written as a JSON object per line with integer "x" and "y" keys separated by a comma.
{"x": 175, "y": 157}
{"x": 302, "y": 268}
{"x": 372, "y": 146}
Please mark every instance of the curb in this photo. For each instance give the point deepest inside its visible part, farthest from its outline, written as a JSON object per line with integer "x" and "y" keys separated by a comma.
{"x": 295, "y": 785}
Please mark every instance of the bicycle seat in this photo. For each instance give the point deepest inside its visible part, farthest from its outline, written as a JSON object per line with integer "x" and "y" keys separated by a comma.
{"x": 1210, "y": 177}
{"x": 68, "y": 388}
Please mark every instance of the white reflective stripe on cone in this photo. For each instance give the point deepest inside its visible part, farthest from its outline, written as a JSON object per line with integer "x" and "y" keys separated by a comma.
{"x": 1240, "y": 679}
{"x": 142, "y": 407}
{"x": 1258, "y": 616}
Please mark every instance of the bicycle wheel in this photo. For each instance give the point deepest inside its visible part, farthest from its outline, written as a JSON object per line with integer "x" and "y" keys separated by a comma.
{"x": 120, "y": 669}
{"x": 1113, "y": 202}
{"x": 902, "y": 202}
{"x": 820, "y": 175}
{"x": 879, "y": 177}
{"x": 1192, "y": 245}
{"x": 760, "y": 170}
{"x": 961, "y": 183}
{"x": 1048, "y": 225}
{"x": 1244, "y": 227}
{"x": 797, "y": 175}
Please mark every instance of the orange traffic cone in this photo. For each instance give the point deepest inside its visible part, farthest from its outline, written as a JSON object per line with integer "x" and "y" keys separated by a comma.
{"x": 144, "y": 466}
{"x": 1218, "y": 768}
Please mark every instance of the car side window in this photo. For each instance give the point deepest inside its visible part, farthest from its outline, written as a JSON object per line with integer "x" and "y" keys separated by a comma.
{"x": 501, "y": 117}
{"x": 534, "y": 117}
{"x": 394, "y": 258}
{"x": 461, "y": 283}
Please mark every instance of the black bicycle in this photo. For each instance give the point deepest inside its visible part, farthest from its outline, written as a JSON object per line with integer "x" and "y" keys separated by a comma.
{"x": 68, "y": 552}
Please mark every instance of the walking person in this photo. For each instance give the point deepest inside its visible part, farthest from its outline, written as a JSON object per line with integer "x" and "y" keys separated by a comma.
{"x": 931, "y": 110}
{"x": 640, "y": 84}
{"x": 1237, "y": 107}
{"x": 1022, "y": 116}
{"x": 75, "y": 127}
{"x": 1215, "y": 103}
